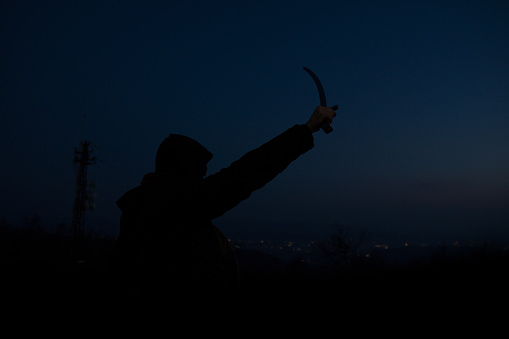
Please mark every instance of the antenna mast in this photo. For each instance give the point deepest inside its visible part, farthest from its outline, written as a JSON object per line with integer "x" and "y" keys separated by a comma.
{"x": 83, "y": 200}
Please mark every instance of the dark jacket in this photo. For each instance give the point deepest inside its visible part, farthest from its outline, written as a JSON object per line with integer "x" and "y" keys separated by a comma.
{"x": 166, "y": 235}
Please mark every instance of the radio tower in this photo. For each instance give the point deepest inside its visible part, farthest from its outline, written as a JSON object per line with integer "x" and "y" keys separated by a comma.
{"x": 83, "y": 200}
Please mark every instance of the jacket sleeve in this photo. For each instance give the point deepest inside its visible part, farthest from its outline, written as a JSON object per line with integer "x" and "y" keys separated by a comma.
{"x": 227, "y": 188}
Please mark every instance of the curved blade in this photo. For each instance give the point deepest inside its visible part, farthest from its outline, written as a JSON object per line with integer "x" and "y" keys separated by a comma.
{"x": 321, "y": 92}
{"x": 326, "y": 126}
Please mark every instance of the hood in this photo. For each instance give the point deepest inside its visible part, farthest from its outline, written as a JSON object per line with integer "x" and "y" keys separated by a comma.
{"x": 182, "y": 156}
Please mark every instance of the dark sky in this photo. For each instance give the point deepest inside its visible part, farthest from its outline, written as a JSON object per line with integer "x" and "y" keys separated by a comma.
{"x": 421, "y": 141}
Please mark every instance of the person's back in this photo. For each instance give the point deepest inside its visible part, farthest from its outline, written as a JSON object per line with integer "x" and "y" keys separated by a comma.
{"x": 165, "y": 240}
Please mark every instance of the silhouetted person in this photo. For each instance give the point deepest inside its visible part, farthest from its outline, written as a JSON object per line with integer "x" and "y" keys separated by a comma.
{"x": 167, "y": 239}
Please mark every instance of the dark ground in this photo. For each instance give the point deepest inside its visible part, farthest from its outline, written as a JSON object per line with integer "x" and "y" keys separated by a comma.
{"x": 35, "y": 263}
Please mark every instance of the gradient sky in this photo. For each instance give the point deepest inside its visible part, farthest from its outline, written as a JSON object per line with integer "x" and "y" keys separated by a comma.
{"x": 421, "y": 140}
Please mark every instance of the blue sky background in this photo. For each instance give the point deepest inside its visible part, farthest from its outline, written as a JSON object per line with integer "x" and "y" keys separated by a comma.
{"x": 421, "y": 140}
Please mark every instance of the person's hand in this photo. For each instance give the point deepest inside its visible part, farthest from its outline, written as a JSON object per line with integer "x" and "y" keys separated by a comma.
{"x": 319, "y": 116}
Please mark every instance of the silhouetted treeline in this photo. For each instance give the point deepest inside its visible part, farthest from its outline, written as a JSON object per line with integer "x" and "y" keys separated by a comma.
{"x": 31, "y": 242}
{"x": 36, "y": 260}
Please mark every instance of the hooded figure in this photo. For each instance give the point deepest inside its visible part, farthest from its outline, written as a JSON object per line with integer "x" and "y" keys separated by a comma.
{"x": 167, "y": 239}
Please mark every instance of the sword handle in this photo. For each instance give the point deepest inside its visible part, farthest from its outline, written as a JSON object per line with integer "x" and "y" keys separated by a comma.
{"x": 327, "y": 128}
{"x": 326, "y": 125}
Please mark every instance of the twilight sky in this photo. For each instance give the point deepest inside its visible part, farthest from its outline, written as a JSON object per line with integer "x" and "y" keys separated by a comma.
{"x": 421, "y": 140}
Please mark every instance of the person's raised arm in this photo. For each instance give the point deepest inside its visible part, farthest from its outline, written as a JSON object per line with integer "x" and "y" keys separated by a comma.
{"x": 225, "y": 189}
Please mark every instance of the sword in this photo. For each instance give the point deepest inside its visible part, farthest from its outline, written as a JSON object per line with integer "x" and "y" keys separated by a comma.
{"x": 326, "y": 126}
